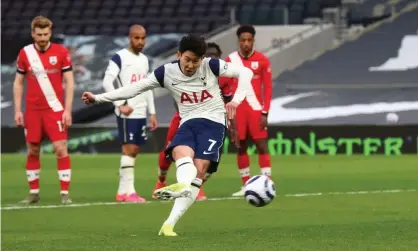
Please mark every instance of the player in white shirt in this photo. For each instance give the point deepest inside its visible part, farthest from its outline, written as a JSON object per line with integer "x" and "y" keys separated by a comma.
{"x": 193, "y": 82}
{"x": 127, "y": 67}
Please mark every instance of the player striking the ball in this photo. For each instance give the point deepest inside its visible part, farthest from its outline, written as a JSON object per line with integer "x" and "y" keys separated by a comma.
{"x": 129, "y": 66}
{"x": 193, "y": 83}
{"x": 253, "y": 112}
{"x": 45, "y": 66}
{"x": 213, "y": 51}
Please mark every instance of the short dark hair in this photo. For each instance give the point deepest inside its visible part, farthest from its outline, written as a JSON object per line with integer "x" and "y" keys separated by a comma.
{"x": 193, "y": 43}
{"x": 246, "y": 28}
{"x": 216, "y": 46}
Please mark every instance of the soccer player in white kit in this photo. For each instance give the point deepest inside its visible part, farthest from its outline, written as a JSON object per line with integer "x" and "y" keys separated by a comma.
{"x": 128, "y": 66}
{"x": 192, "y": 80}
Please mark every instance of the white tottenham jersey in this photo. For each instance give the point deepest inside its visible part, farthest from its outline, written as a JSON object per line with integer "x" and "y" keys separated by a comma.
{"x": 198, "y": 96}
{"x": 125, "y": 68}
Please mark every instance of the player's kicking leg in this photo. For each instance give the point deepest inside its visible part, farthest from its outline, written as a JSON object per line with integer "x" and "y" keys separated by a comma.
{"x": 191, "y": 172}
{"x": 164, "y": 162}
{"x": 132, "y": 135}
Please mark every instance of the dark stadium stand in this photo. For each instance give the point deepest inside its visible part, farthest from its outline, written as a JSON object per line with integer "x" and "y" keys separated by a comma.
{"x": 273, "y": 11}
{"x": 109, "y": 17}
{"x": 347, "y": 65}
{"x": 350, "y": 64}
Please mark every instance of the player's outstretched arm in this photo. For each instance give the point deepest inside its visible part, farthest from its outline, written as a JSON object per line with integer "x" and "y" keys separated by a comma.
{"x": 123, "y": 93}
{"x": 244, "y": 76}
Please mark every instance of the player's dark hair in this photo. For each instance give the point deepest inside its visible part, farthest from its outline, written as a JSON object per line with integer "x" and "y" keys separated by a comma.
{"x": 247, "y": 28}
{"x": 193, "y": 43}
{"x": 217, "y": 48}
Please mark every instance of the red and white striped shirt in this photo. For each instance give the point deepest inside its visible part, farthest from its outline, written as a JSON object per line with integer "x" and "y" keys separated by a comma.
{"x": 44, "y": 74}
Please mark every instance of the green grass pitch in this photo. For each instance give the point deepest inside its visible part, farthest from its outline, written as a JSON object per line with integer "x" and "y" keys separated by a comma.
{"x": 314, "y": 209}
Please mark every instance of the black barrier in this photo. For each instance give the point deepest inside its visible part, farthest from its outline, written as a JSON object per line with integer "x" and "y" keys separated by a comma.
{"x": 283, "y": 140}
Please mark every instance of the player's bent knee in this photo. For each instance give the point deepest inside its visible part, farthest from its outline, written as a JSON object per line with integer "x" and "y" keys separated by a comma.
{"x": 243, "y": 148}
{"x": 261, "y": 146}
{"x": 60, "y": 148}
{"x": 34, "y": 149}
{"x": 182, "y": 151}
{"x": 130, "y": 150}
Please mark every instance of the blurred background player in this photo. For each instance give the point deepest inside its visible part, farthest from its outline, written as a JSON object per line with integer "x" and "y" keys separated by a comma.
{"x": 253, "y": 112}
{"x": 127, "y": 67}
{"x": 193, "y": 83}
{"x": 213, "y": 51}
{"x": 45, "y": 66}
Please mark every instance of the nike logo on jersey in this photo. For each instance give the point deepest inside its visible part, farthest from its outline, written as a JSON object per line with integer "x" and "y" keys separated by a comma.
{"x": 173, "y": 84}
{"x": 206, "y": 153}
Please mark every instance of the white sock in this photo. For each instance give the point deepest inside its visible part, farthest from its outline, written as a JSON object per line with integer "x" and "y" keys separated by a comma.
{"x": 186, "y": 174}
{"x": 182, "y": 204}
{"x": 186, "y": 171}
{"x": 126, "y": 175}
{"x": 266, "y": 171}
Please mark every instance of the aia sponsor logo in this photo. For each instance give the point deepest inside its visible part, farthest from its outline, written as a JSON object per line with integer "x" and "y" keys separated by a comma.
{"x": 195, "y": 97}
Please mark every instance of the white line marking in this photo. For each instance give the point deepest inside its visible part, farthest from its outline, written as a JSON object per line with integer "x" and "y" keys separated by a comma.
{"x": 16, "y": 207}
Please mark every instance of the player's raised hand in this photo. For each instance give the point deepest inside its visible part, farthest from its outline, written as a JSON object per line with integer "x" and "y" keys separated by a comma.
{"x": 231, "y": 110}
{"x": 88, "y": 98}
{"x": 153, "y": 121}
{"x": 19, "y": 119}
{"x": 67, "y": 119}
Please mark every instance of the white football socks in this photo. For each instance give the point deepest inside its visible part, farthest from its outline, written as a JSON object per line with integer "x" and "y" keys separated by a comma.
{"x": 186, "y": 174}
{"x": 186, "y": 171}
{"x": 126, "y": 175}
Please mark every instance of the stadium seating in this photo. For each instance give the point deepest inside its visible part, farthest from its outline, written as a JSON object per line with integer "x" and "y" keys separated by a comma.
{"x": 109, "y": 17}
{"x": 275, "y": 12}
{"x": 352, "y": 63}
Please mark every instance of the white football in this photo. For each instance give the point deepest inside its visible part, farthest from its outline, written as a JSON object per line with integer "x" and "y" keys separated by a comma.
{"x": 259, "y": 190}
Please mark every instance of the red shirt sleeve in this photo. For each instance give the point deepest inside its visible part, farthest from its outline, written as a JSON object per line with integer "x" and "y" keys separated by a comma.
{"x": 267, "y": 86}
{"x": 21, "y": 64}
{"x": 66, "y": 60}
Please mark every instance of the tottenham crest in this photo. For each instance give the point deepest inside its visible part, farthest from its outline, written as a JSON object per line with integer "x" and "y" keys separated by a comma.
{"x": 53, "y": 60}
{"x": 254, "y": 65}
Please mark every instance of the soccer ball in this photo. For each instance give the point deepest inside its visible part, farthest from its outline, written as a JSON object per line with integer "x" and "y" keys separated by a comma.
{"x": 259, "y": 190}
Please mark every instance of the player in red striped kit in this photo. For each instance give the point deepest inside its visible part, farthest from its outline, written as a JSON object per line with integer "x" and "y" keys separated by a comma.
{"x": 252, "y": 114}
{"x": 45, "y": 66}
{"x": 213, "y": 51}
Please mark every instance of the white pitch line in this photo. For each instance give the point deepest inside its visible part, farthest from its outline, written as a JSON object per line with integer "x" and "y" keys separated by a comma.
{"x": 15, "y": 207}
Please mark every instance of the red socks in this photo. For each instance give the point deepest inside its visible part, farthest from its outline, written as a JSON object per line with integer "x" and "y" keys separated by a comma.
{"x": 64, "y": 173}
{"x": 265, "y": 165}
{"x": 33, "y": 170}
{"x": 244, "y": 166}
{"x": 163, "y": 164}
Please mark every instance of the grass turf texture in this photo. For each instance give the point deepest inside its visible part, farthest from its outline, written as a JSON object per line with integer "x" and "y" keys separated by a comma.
{"x": 373, "y": 221}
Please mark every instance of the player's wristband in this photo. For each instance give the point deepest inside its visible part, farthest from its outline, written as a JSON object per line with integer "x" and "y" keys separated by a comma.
{"x": 265, "y": 113}
{"x": 227, "y": 99}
